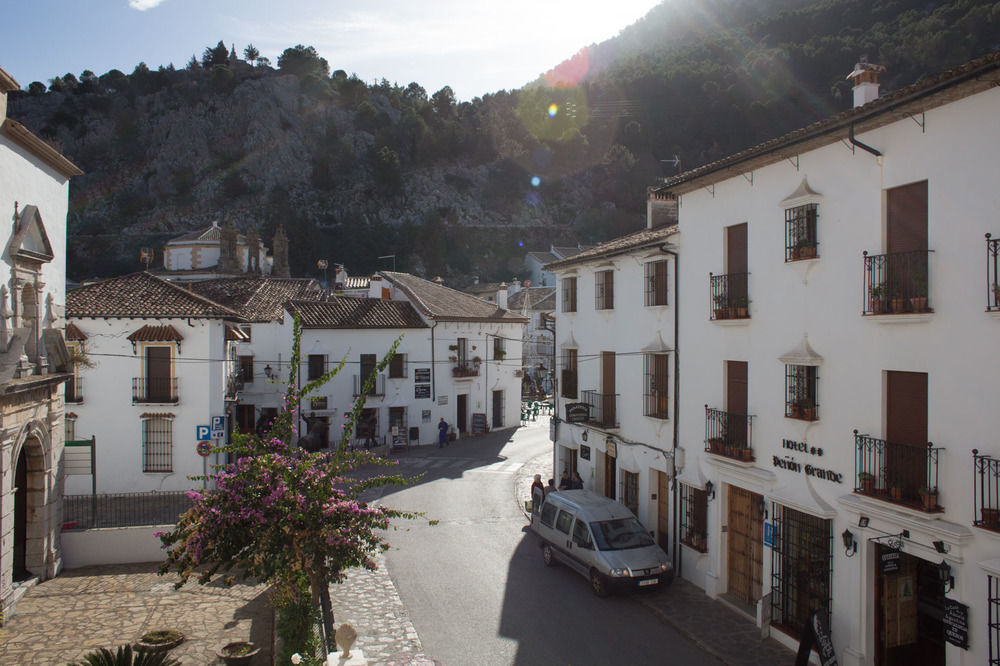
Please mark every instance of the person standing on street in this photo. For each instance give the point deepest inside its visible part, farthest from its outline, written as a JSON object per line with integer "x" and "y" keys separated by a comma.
{"x": 442, "y": 433}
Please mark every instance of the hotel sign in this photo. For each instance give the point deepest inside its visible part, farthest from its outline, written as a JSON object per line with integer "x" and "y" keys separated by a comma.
{"x": 577, "y": 412}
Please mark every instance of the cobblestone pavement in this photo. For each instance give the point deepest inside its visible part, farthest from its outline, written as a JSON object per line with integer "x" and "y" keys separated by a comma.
{"x": 62, "y": 619}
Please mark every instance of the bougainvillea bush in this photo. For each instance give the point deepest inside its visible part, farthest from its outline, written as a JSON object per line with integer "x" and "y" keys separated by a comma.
{"x": 282, "y": 515}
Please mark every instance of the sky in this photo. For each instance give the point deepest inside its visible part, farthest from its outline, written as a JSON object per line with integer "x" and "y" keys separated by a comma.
{"x": 475, "y": 46}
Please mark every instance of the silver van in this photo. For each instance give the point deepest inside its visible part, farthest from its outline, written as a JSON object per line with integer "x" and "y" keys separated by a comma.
{"x": 601, "y": 539}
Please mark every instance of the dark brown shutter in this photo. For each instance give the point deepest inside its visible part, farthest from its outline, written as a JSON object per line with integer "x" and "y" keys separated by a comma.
{"x": 906, "y": 408}
{"x": 736, "y": 248}
{"x": 736, "y": 401}
{"x": 906, "y": 218}
{"x": 608, "y": 387}
{"x": 158, "y": 373}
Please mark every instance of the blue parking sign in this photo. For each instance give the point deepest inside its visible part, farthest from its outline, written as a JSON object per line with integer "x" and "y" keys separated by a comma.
{"x": 203, "y": 433}
{"x": 769, "y": 535}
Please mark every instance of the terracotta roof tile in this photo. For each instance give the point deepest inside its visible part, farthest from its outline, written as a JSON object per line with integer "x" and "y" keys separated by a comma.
{"x": 150, "y": 333}
{"x": 618, "y": 245}
{"x": 141, "y": 295}
{"x": 258, "y": 298}
{"x": 446, "y": 304}
{"x": 346, "y": 312}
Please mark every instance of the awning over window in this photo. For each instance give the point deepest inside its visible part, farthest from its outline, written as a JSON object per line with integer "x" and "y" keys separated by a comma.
{"x": 74, "y": 333}
{"x": 802, "y": 354}
{"x": 149, "y": 333}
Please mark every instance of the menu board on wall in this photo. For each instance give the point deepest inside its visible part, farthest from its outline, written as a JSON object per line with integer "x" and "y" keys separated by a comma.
{"x": 956, "y": 623}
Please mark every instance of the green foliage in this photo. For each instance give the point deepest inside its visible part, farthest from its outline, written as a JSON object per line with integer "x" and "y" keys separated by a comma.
{"x": 296, "y": 623}
{"x": 215, "y": 56}
{"x": 301, "y": 61}
{"x": 126, "y": 656}
{"x": 251, "y": 53}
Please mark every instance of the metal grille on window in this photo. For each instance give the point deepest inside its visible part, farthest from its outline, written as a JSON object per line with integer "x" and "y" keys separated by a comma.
{"x": 655, "y": 401}
{"x": 157, "y": 445}
{"x": 801, "y": 398}
{"x": 317, "y": 366}
{"x": 694, "y": 518}
{"x": 800, "y": 232}
{"x": 993, "y": 606}
{"x": 631, "y": 495}
{"x": 604, "y": 290}
{"x": 801, "y": 568}
{"x": 656, "y": 283}
{"x": 569, "y": 294}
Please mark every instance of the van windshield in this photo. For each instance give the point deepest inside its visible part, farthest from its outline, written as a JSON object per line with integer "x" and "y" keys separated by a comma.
{"x": 620, "y": 534}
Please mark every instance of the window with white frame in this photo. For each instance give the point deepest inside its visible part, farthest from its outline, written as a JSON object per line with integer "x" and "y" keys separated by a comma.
{"x": 157, "y": 443}
{"x": 656, "y": 282}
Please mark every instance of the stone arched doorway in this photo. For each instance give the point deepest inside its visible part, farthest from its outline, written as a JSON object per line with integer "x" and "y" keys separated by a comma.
{"x": 29, "y": 511}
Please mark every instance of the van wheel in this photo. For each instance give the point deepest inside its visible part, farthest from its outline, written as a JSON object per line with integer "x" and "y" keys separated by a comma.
{"x": 597, "y": 584}
{"x": 547, "y": 556}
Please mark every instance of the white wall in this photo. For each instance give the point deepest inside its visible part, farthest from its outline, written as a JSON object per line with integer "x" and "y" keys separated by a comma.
{"x": 112, "y": 545}
{"x": 107, "y": 410}
{"x": 956, "y": 153}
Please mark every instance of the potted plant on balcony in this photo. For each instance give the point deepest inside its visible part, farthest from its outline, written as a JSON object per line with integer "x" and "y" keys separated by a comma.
{"x": 896, "y": 491}
{"x": 745, "y": 453}
{"x": 867, "y": 480}
{"x": 806, "y": 408}
{"x": 928, "y": 496}
{"x": 918, "y": 303}
{"x": 875, "y": 295}
{"x": 717, "y": 445}
{"x": 996, "y": 294}
{"x": 741, "y": 307}
{"x": 990, "y": 517}
{"x": 721, "y": 306}
{"x": 897, "y": 301}
{"x": 804, "y": 249}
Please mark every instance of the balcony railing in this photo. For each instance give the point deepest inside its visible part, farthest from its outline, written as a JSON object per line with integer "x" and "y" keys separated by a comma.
{"x": 154, "y": 389}
{"x": 985, "y": 491}
{"x": 895, "y": 283}
{"x": 603, "y": 408}
{"x": 234, "y": 384}
{"x": 898, "y": 473}
{"x": 74, "y": 389}
{"x": 992, "y": 277}
{"x": 729, "y": 434}
{"x": 465, "y": 369}
{"x": 378, "y": 389}
{"x": 730, "y": 296}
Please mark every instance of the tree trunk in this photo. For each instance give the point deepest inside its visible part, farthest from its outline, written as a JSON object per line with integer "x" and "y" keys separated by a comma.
{"x": 321, "y": 592}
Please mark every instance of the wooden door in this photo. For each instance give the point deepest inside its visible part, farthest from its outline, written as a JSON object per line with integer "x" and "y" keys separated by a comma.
{"x": 497, "y": 409}
{"x": 610, "y": 477}
{"x": 737, "y": 385}
{"x": 158, "y": 374}
{"x": 663, "y": 510}
{"x": 746, "y": 545}
{"x": 461, "y": 415}
{"x": 608, "y": 388}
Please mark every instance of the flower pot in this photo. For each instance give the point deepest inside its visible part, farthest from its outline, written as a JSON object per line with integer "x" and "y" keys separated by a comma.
{"x": 809, "y": 413}
{"x": 237, "y": 653}
{"x": 741, "y": 313}
{"x": 878, "y": 306}
{"x": 868, "y": 486}
{"x": 715, "y": 445}
{"x": 896, "y": 492}
{"x": 794, "y": 411}
{"x": 929, "y": 500}
{"x": 746, "y": 455}
{"x": 163, "y": 639}
{"x": 722, "y": 313}
{"x": 990, "y": 517}
{"x": 898, "y": 305}
{"x": 918, "y": 304}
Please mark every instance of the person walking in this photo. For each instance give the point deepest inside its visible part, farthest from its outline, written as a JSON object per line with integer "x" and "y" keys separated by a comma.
{"x": 537, "y": 493}
{"x": 442, "y": 433}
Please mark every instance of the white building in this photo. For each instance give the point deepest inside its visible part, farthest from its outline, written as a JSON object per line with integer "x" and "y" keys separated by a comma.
{"x": 34, "y": 195}
{"x": 538, "y": 304}
{"x": 836, "y": 317}
{"x": 615, "y": 397}
{"x": 162, "y": 357}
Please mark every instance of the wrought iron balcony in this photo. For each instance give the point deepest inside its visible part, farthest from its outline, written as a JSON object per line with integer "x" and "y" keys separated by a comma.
{"x": 729, "y": 434}
{"x": 992, "y": 277}
{"x": 730, "y": 296}
{"x": 986, "y": 491}
{"x": 465, "y": 369}
{"x": 377, "y": 389}
{"x": 154, "y": 389}
{"x": 895, "y": 283}
{"x": 74, "y": 390}
{"x": 898, "y": 473}
{"x": 603, "y": 408}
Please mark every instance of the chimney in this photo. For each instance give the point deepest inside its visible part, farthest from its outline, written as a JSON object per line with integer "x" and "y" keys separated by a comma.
{"x": 661, "y": 208}
{"x": 865, "y": 78}
{"x": 502, "y": 296}
{"x": 375, "y": 286}
{"x": 438, "y": 280}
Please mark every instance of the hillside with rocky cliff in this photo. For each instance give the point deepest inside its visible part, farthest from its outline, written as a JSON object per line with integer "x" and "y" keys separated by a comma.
{"x": 355, "y": 171}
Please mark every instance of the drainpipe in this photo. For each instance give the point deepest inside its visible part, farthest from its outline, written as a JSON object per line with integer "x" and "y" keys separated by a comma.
{"x": 863, "y": 146}
{"x": 677, "y": 374}
{"x": 433, "y": 369}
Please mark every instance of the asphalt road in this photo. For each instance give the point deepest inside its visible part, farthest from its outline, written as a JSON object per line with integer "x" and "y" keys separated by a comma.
{"x": 475, "y": 586}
